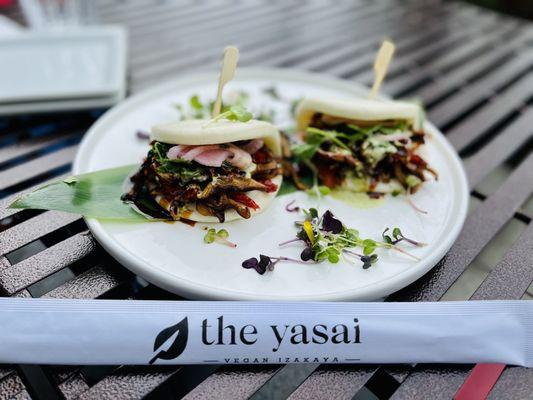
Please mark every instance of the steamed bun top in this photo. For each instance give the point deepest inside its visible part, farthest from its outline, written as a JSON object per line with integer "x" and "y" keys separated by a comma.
{"x": 202, "y": 132}
{"x": 359, "y": 110}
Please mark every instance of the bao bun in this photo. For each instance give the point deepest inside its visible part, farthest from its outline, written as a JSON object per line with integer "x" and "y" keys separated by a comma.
{"x": 359, "y": 110}
{"x": 199, "y": 132}
{"x": 203, "y": 132}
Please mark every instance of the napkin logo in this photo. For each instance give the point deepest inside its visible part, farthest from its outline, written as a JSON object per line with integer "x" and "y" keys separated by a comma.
{"x": 177, "y": 346}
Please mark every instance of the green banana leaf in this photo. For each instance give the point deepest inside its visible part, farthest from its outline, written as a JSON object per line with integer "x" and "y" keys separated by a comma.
{"x": 94, "y": 195}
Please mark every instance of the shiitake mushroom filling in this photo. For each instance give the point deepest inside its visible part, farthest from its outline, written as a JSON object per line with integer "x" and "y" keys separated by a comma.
{"x": 378, "y": 151}
{"x": 168, "y": 187}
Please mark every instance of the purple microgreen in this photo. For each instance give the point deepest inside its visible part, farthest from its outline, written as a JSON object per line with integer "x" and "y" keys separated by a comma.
{"x": 267, "y": 263}
{"x": 307, "y": 254}
{"x": 367, "y": 260}
{"x": 254, "y": 263}
{"x": 143, "y": 134}
{"x": 330, "y": 223}
{"x": 264, "y": 262}
{"x": 260, "y": 265}
{"x": 290, "y": 208}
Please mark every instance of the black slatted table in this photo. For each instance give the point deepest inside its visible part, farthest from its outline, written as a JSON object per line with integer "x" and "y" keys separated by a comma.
{"x": 472, "y": 68}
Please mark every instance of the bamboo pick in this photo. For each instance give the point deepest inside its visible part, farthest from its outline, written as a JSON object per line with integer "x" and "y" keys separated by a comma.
{"x": 381, "y": 65}
{"x": 229, "y": 65}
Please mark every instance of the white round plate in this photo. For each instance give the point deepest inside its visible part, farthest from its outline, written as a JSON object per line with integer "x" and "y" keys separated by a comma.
{"x": 174, "y": 256}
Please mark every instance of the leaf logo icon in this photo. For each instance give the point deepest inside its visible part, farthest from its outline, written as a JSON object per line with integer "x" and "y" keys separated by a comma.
{"x": 177, "y": 346}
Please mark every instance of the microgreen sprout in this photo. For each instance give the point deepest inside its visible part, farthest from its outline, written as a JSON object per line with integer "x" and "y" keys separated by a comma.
{"x": 327, "y": 238}
{"x": 367, "y": 261}
{"x": 221, "y": 236}
{"x": 397, "y": 236}
{"x": 235, "y": 113}
{"x": 266, "y": 263}
{"x": 195, "y": 102}
{"x": 290, "y": 208}
{"x": 313, "y": 140}
{"x": 412, "y": 204}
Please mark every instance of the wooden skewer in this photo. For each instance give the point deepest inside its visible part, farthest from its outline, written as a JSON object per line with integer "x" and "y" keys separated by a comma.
{"x": 381, "y": 65}
{"x": 229, "y": 65}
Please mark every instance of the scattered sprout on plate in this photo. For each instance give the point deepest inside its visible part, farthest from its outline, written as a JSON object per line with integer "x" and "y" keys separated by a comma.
{"x": 326, "y": 238}
{"x": 265, "y": 263}
{"x": 221, "y": 236}
{"x": 290, "y": 207}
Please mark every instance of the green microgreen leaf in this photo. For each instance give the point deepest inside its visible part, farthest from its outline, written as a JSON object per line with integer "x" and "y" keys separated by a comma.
{"x": 210, "y": 236}
{"x": 235, "y": 113}
{"x": 195, "y": 102}
{"x": 222, "y": 233}
{"x": 239, "y": 113}
{"x": 396, "y": 233}
{"x": 386, "y": 238}
{"x": 221, "y": 237}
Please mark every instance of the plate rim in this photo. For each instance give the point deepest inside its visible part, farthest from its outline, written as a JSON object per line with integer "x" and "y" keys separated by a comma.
{"x": 194, "y": 290}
